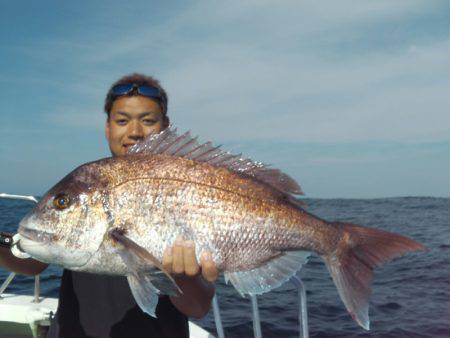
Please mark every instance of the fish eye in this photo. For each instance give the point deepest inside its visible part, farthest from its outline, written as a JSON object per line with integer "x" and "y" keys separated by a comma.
{"x": 61, "y": 201}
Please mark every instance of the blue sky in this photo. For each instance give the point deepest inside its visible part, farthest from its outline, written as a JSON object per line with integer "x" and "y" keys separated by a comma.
{"x": 349, "y": 97}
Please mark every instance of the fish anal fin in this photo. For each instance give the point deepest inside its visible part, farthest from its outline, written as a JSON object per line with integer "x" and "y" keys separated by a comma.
{"x": 268, "y": 276}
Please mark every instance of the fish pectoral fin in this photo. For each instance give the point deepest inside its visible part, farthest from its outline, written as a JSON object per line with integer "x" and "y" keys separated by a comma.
{"x": 163, "y": 282}
{"x": 145, "y": 294}
{"x": 268, "y": 276}
{"x": 144, "y": 267}
{"x": 146, "y": 286}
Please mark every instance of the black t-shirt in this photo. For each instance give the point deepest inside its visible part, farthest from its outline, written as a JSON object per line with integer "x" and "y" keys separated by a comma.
{"x": 103, "y": 307}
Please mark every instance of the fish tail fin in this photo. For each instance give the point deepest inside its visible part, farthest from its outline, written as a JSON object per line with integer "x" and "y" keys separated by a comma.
{"x": 351, "y": 265}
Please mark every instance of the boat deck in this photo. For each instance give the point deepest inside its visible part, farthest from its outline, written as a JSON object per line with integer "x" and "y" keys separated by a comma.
{"x": 21, "y": 317}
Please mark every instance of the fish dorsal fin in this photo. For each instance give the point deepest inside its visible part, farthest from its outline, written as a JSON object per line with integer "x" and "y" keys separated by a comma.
{"x": 169, "y": 142}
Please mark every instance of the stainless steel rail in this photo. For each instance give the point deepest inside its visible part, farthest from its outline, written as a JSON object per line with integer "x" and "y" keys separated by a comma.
{"x": 9, "y": 279}
{"x": 255, "y": 315}
{"x": 37, "y": 288}
{"x": 37, "y": 284}
{"x": 303, "y": 309}
{"x": 217, "y": 318}
{"x": 6, "y": 283}
{"x": 19, "y": 197}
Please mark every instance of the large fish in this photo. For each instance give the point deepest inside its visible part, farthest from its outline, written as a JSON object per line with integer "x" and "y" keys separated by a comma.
{"x": 117, "y": 215}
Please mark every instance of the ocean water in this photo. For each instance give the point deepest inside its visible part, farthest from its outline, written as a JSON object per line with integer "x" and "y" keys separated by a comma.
{"x": 411, "y": 295}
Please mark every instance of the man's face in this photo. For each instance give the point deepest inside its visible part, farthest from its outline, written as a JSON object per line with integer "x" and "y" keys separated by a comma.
{"x": 132, "y": 118}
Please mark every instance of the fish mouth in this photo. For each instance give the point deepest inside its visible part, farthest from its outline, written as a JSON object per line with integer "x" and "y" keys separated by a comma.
{"x": 128, "y": 146}
{"x": 36, "y": 235}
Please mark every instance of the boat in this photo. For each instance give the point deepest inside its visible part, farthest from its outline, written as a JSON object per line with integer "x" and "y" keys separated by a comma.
{"x": 26, "y": 316}
{"x": 29, "y": 316}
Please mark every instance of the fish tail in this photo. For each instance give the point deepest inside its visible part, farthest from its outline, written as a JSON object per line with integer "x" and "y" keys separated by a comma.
{"x": 351, "y": 265}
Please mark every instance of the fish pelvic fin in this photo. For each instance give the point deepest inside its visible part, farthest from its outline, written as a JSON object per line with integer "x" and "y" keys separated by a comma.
{"x": 268, "y": 276}
{"x": 144, "y": 293}
{"x": 147, "y": 278}
{"x": 351, "y": 265}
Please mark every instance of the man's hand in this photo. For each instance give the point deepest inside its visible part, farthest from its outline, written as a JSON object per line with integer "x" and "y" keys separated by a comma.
{"x": 194, "y": 280}
{"x": 180, "y": 260}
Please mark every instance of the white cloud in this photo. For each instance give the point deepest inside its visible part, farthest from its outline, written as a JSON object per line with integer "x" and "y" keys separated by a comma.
{"x": 392, "y": 97}
{"x": 257, "y": 70}
{"x": 327, "y": 72}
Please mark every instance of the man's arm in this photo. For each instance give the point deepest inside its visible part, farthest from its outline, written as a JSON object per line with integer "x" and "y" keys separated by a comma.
{"x": 22, "y": 266}
{"x": 196, "y": 281}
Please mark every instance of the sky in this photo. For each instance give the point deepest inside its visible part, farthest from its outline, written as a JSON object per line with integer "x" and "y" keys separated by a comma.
{"x": 351, "y": 98}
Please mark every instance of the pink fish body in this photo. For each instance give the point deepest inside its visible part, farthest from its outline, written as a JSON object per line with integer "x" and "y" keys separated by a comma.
{"x": 117, "y": 215}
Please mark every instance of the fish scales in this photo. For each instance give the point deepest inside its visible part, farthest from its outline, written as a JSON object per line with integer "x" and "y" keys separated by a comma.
{"x": 216, "y": 208}
{"x": 118, "y": 215}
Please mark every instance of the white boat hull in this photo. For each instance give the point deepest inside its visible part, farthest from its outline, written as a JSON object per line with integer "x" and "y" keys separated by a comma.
{"x": 20, "y": 317}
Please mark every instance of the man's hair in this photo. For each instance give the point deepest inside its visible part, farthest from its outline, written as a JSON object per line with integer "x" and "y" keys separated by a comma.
{"x": 139, "y": 80}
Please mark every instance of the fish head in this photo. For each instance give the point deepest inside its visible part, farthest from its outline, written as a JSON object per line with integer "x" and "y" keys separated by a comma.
{"x": 67, "y": 226}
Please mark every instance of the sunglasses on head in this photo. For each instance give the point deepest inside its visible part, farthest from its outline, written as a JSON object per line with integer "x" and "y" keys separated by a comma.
{"x": 125, "y": 89}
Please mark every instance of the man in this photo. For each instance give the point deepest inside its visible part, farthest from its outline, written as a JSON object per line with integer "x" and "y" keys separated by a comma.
{"x": 103, "y": 306}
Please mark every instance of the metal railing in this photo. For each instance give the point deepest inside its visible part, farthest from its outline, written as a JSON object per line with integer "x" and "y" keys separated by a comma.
{"x": 302, "y": 307}
{"x": 37, "y": 286}
{"x": 257, "y": 332}
{"x": 9, "y": 279}
{"x": 302, "y": 316}
{"x": 19, "y": 197}
{"x": 6, "y": 283}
